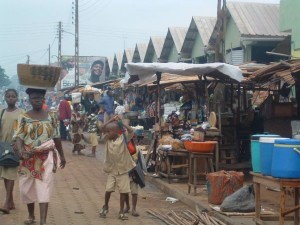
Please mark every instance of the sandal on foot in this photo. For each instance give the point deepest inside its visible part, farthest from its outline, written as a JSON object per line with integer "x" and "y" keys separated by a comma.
{"x": 29, "y": 221}
{"x": 122, "y": 216}
{"x": 103, "y": 212}
{"x": 5, "y": 211}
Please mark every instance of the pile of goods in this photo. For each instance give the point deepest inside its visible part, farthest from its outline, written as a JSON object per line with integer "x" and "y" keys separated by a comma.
{"x": 167, "y": 142}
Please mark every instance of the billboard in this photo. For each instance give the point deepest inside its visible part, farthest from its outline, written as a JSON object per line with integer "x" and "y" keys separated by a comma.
{"x": 92, "y": 69}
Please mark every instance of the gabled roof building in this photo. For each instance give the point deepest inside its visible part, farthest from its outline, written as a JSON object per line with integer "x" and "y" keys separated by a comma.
{"x": 154, "y": 49}
{"x": 246, "y": 31}
{"x": 139, "y": 52}
{"x": 173, "y": 44}
{"x": 194, "y": 48}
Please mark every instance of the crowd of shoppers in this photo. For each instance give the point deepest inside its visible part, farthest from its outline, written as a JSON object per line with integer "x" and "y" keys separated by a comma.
{"x": 36, "y": 135}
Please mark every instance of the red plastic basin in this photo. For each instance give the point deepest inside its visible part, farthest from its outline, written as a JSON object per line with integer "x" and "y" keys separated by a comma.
{"x": 195, "y": 146}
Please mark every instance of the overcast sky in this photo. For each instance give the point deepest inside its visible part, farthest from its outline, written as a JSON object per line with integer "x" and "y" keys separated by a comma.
{"x": 27, "y": 27}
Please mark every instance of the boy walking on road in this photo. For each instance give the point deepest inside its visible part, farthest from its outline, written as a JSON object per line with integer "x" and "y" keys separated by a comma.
{"x": 92, "y": 129}
{"x": 117, "y": 164}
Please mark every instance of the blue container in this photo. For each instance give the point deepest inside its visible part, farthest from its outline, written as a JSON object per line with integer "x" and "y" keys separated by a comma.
{"x": 255, "y": 150}
{"x": 286, "y": 159}
{"x": 266, "y": 153}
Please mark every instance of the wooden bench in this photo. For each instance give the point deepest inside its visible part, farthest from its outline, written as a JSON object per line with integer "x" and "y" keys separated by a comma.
{"x": 282, "y": 185}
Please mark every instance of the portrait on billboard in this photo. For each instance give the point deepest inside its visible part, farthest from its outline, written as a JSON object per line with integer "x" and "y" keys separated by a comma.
{"x": 96, "y": 71}
{"x": 92, "y": 69}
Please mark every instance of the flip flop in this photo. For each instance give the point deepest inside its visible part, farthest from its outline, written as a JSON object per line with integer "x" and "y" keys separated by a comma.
{"x": 122, "y": 216}
{"x": 5, "y": 211}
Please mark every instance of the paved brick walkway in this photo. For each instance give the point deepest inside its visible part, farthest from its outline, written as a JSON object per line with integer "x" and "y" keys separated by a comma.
{"x": 79, "y": 194}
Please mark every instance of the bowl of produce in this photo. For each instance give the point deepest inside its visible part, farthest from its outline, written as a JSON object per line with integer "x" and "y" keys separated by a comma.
{"x": 196, "y": 146}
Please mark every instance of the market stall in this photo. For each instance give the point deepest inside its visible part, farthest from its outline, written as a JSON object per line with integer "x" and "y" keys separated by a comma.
{"x": 200, "y": 74}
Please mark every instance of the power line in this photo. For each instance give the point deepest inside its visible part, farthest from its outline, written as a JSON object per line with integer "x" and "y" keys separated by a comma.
{"x": 86, "y": 3}
{"x": 92, "y": 5}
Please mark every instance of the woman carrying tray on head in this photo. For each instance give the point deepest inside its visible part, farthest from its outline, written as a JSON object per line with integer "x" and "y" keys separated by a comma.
{"x": 39, "y": 144}
{"x": 9, "y": 117}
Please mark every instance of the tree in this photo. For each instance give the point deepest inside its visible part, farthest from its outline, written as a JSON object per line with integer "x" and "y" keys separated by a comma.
{"x": 4, "y": 79}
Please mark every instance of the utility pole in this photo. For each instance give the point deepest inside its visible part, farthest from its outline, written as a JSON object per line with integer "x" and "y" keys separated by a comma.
{"x": 49, "y": 55}
{"x": 28, "y": 59}
{"x": 59, "y": 43}
{"x": 76, "y": 44}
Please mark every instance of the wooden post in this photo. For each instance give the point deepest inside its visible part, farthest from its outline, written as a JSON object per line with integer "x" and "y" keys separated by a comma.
{"x": 157, "y": 117}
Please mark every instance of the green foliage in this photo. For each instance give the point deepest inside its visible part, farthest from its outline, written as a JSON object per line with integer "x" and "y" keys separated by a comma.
{"x": 4, "y": 79}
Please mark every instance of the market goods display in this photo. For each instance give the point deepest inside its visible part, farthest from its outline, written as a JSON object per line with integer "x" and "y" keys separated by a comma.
{"x": 40, "y": 76}
{"x": 167, "y": 140}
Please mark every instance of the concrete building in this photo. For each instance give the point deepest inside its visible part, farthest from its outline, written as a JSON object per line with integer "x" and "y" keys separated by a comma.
{"x": 246, "y": 31}
{"x": 290, "y": 22}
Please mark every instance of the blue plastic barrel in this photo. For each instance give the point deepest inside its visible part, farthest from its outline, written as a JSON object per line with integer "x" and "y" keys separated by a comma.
{"x": 255, "y": 150}
{"x": 266, "y": 153}
{"x": 286, "y": 159}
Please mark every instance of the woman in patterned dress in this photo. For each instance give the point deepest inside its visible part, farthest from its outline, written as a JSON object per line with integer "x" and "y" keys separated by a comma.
{"x": 77, "y": 123}
{"x": 39, "y": 145}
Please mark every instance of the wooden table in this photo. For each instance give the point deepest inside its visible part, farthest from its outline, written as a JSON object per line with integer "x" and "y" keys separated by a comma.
{"x": 170, "y": 159}
{"x": 282, "y": 184}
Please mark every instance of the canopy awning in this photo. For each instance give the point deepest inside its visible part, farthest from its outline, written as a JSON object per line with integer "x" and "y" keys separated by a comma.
{"x": 221, "y": 71}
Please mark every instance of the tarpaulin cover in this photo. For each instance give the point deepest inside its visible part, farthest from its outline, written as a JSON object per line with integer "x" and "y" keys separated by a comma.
{"x": 214, "y": 70}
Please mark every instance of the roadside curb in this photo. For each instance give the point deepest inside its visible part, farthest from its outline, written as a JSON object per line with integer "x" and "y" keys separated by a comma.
{"x": 185, "y": 198}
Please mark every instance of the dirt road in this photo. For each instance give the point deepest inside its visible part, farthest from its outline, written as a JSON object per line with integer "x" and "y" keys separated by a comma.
{"x": 79, "y": 194}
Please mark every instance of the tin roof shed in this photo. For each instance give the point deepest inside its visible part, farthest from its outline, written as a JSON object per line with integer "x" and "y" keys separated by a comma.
{"x": 175, "y": 37}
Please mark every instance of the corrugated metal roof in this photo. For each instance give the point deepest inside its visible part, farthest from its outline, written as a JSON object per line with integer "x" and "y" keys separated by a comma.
{"x": 158, "y": 43}
{"x": 139, "y": 52}
{"x": 119, "y": 57}
{"x": 203, "y": 26}
{"x": 256, "y": 19}
{"x": 155, "y": 46}
{"x": 176, "y": 36}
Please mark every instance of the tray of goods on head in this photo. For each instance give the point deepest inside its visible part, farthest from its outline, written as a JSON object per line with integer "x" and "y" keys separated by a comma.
{"x": 197, "y": 146}
{"x": 41, "y": 76}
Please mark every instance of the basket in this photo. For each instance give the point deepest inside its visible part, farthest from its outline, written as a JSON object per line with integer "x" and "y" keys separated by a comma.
{"x": 41, "y": 76}
{"x": 205, "y": 147}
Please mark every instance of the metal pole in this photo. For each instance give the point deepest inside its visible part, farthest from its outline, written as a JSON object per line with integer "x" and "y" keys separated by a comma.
{"x": 76, "y": 44}
{"x": 59, "y": 44}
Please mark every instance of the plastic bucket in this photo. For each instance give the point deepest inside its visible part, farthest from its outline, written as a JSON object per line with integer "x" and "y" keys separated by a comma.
{"x": 286, "y": 159}
{"x": 255, "y": 150}
{"x": 266, "y": 153}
